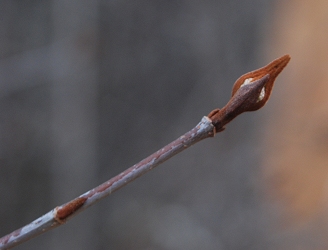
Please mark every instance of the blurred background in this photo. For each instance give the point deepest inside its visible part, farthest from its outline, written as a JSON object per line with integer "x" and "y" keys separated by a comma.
{"x": 89, "y": 88}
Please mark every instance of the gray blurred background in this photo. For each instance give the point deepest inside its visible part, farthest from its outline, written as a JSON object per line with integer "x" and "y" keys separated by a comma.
{"x": 88, "y": 88}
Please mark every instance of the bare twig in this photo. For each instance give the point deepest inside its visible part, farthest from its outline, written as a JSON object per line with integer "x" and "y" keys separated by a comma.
{"x": 250, "y": 92}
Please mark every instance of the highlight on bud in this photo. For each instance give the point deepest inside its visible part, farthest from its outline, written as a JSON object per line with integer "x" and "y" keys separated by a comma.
{"x": 250, "y": 92}
{"x": 262, "y": 93}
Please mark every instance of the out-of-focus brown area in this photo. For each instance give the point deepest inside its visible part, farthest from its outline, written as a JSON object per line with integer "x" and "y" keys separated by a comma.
{"x": 296, "y": 156}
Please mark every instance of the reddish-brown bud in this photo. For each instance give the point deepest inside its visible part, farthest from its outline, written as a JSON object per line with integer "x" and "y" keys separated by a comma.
{"x": 250, "y": 92}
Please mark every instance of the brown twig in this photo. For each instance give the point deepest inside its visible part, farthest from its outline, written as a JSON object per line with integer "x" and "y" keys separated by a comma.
{"x": 250, "y": 92}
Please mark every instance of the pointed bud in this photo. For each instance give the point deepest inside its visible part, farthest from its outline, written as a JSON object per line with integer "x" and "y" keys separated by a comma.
{"x": 250, "y": 92}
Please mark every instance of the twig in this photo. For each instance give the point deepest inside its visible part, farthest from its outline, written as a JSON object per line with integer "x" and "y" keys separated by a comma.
{"x": 250, "y": 92}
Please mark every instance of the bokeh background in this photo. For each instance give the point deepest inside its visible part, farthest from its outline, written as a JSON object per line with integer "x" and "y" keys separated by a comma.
{"x": 88, "y": 88}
